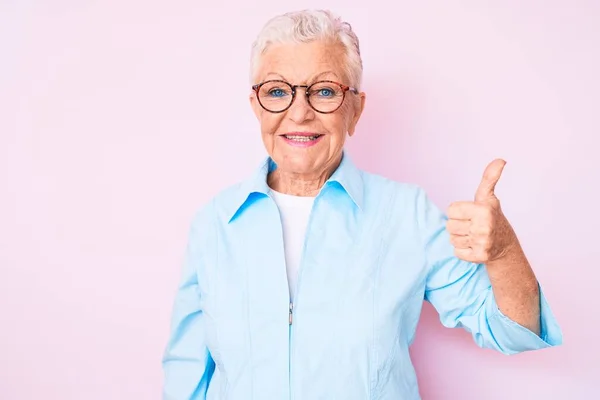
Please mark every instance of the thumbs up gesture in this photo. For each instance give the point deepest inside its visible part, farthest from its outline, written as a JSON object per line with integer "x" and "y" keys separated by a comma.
{"x": 478, "y": 229}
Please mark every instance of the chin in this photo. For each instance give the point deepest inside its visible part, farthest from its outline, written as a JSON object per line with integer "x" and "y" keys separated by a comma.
{"x": 298, "y": 164}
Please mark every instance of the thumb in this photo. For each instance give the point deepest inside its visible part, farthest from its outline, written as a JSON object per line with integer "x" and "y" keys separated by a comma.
{"x": 490, "y": 178}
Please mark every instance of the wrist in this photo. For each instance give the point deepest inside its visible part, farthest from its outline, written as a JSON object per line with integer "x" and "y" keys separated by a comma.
{"x": 512, "y": 255}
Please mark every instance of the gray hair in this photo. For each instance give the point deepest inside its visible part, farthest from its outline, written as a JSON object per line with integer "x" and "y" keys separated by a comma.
{"x": 306, "y": 26}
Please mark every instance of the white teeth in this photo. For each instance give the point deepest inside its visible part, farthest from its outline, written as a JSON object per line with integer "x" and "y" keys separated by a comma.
{"x": 301, "y": 138}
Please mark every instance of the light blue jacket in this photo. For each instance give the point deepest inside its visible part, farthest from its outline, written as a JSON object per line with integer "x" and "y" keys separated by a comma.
{"x": 374, "y": 250}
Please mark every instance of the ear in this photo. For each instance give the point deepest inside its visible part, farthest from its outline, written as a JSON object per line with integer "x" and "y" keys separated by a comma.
{"x": 358, "y": 107}
{"x": 255, "y": 105}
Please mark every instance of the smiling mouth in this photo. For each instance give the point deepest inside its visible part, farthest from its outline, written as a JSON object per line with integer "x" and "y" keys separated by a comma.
{"x": 302, "y": 138}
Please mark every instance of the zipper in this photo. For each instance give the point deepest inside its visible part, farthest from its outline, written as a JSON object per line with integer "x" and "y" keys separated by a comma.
{"x": 290, "y": 320}
{"x": 291, "y": 346}
{"x": 291, "y": 303}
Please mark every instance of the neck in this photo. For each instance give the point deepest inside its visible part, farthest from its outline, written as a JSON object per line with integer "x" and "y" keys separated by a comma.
{"x": 306, "y": 185}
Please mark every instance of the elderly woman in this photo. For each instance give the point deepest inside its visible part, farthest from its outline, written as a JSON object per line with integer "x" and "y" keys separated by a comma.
{"x": 306, "y": 280}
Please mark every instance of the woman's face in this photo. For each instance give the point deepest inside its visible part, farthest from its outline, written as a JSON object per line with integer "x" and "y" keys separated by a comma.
{"x": 304, "y": 64}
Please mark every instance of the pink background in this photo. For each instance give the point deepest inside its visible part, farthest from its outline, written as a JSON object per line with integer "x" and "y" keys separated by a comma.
{"x": 118, "y": 119}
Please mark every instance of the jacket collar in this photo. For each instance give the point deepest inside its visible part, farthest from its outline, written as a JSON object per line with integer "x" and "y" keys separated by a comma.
{"x": 347, "y": 177}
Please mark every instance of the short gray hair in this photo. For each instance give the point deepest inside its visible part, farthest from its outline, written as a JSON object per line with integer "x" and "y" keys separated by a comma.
{"x": 306, "y": 26}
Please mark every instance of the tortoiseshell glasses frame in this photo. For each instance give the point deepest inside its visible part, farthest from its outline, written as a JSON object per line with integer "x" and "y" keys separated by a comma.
{"x": 344, "y": 88}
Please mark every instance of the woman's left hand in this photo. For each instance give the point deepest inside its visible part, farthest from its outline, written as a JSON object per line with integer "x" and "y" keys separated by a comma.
{"x": 478, "y": 229}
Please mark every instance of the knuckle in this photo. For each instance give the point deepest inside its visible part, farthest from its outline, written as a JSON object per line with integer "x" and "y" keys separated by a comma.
{"x": 486, "y": 229}
{"x": 480, "y": 230}
{"x": 485, "y": 211}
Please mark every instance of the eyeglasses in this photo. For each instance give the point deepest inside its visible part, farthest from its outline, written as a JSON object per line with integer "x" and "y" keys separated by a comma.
{"x": 324, "y": 97}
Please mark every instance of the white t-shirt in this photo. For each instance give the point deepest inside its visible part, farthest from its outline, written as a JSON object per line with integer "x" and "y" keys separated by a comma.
{"x": 294, "y": 212}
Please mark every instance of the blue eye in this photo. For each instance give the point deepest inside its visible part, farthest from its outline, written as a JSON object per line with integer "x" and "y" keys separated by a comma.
{"x": 325, "y": 92}
{"x": 277, "y": 93}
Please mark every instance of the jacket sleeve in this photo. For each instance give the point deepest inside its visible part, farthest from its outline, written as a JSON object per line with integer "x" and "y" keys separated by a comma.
{"x": 187, "y": 363}
{"x": 461, "y": 293}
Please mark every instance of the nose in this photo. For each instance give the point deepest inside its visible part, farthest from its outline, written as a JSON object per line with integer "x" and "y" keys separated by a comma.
{"x": 300, "y": 111}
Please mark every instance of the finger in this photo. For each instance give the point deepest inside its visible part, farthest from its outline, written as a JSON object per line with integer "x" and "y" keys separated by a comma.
{"x": 460, "y": 241}
{"x": 490, "y": 178}
{"x": 462, "y": 210}
{"x": 458, "y": 226}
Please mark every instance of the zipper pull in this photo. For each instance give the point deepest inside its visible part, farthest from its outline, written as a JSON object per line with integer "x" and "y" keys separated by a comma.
{"x": 291, "y": 311}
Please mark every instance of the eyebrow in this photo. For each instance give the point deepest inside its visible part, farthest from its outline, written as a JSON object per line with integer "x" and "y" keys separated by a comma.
{"x": 319, "y": 75}
{"x": 276, "y": 74}
{"x": 312, "y": 79}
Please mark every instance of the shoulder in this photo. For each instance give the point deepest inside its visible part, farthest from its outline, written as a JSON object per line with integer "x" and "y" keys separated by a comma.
{"x": 380, "y": 187}
{"x": 217, "y": 206}
{"x": 402, "y": 201}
